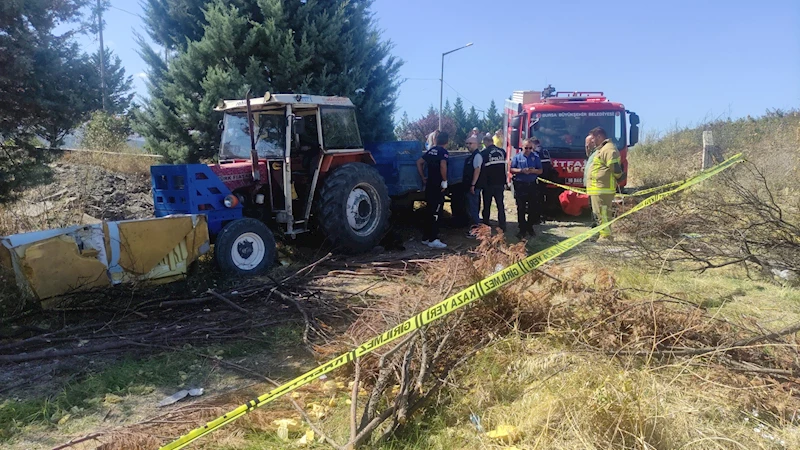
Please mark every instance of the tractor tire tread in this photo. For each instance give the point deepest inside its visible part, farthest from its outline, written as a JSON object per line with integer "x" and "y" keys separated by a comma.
{"x": 330, "y": 207}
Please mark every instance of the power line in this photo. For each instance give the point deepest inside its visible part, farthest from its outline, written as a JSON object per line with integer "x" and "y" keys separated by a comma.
{"x": 125, "y": 11}
{"x": 465, "y": 98}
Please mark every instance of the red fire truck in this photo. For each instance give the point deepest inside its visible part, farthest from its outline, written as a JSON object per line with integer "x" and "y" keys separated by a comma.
{"x": 561, "y": 121}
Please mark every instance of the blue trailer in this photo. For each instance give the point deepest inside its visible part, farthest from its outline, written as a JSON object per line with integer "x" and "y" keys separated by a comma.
{"x": 397, "y": 164}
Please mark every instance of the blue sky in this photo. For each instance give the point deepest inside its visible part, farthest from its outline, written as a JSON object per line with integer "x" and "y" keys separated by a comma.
{"x": 673, "y": 62}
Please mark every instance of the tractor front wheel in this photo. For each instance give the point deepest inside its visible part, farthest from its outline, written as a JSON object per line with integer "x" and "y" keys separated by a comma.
{"x": 245, "y": 247}
{"x": 353, "y": 208}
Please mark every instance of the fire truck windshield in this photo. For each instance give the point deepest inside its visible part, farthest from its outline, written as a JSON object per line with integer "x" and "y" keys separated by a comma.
{"x": 568, "y": 130}
{"x": 270, "y": 134}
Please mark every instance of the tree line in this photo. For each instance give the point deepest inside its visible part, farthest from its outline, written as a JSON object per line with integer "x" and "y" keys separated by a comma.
{"x": 203, "y": 51}
{"x": 456, "y": 121}
{"x": 198, "y": 52}
{"x": 48, "y": 86}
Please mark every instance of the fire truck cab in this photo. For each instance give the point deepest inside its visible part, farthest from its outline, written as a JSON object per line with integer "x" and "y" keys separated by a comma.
{"x": 561, "y": 121}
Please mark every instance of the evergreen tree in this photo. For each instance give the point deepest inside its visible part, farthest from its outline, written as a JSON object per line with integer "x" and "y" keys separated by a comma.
{"x": 119, "y": 86}
{"x": 402, "y": 127}
{"x": 311, "y": 47}
{"x": 462, "y": 126}
{"x": 447, "y": 110}
{"x": 41, "y": 73}
{"x": 174, "y": 23}
{"x": 494, "y": 120}
{"x": 69, "y": 93}
{"x": 472, "y": 119}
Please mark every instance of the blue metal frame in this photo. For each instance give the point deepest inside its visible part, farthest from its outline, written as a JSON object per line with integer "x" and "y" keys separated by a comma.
{"x": 192, "y": 189}
{"x": 397, "y": 164}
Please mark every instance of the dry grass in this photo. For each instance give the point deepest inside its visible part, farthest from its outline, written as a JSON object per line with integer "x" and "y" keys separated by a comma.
{"x": 560, "y": 398}
{"x": 129, "y": 163}
{"x": 772, "y": 142}
{"x": 748, "y": 216}
{"x": 582, "y": 382}
{"x": 82, "y": 190}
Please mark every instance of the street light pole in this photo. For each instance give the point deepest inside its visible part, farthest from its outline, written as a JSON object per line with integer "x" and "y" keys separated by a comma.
{"x": 441, "y": 82}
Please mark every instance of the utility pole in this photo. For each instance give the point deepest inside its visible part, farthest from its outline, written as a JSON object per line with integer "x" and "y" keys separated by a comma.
{"x": 441, "y": 82}
{"x": 102, "y": 56}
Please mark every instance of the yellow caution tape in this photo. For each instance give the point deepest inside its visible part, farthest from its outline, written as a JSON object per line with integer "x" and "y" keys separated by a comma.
{"x": 633, "y": 194}
{"x": 441, "y": 309}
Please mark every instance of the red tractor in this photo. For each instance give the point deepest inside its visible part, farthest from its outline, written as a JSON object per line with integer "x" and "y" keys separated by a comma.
{"x": 283, "y": 159}
{"x": 561, "y": 121}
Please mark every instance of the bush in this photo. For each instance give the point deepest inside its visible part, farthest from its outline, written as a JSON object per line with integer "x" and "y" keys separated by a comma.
{"x": 21, "y": 166}
{"x": 106, "y": 132}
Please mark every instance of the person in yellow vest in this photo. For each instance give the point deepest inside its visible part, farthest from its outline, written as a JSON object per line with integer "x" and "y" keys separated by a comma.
{"x": 602, "y": 173}
{"x": 498, "y": 138}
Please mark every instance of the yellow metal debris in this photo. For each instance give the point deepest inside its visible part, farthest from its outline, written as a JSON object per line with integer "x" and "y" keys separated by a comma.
{"x": 54, "y": 262}
{"x": 505, "y": 433}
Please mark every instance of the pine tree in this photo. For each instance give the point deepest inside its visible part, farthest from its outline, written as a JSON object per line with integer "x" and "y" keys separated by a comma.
{"x": 402, "y": 128}
{"x": 119, "y": 86}
{"x": 494, "y": 120}
{"x": 460, "y": 119}
{"x": 447, "y": 110}
{"x": 313, "y": 47}
{"x": 472, "y": 119}
{"x": 41, "y": 74}
{"x": 69, "y": 93}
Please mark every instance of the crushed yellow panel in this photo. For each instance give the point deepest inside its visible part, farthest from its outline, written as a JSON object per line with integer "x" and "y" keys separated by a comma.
{"x": 56, "y": 266}
{"x": 145, "y": 243}
{"x": 49, "y": 263}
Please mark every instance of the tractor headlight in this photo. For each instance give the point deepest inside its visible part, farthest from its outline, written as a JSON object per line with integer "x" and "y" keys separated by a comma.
{"x": 231, "y": 201}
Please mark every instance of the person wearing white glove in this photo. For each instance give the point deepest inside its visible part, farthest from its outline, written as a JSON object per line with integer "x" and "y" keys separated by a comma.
{"x": 434, "y": 185}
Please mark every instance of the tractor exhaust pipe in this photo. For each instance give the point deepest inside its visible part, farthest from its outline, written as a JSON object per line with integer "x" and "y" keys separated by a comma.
{"x": 253, "y": 153}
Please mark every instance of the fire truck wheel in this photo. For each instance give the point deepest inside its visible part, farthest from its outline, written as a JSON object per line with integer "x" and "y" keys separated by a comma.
{"x": 353, "y": 208}
{"x": 245, "y": 247}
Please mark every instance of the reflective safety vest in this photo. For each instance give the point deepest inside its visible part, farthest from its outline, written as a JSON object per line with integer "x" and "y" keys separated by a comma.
{"x": 599, "y": 171}
{"x": 494, "y": 169}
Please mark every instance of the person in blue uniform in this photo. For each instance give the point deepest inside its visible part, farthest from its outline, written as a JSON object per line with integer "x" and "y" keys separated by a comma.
{"x": 526, "y": 168}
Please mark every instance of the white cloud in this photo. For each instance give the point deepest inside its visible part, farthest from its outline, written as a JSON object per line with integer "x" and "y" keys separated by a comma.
{"x": 141, "y": 75}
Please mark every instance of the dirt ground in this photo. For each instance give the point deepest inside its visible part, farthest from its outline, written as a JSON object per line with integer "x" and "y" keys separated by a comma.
{"x": 79, "y": 194}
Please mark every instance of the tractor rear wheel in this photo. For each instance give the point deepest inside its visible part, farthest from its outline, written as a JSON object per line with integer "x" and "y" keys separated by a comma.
{"x": 245, "y": 247}
{"x": 353, "y": 207}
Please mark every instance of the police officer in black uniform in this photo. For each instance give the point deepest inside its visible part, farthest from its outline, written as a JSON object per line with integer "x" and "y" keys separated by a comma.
{"x": 434, "y": 185}
{"x": 494, "y": 181}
